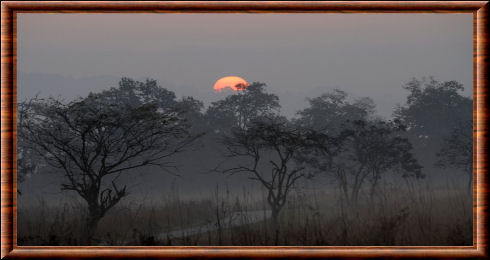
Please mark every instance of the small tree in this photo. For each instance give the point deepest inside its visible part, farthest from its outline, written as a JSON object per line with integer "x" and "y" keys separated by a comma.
{"x": 268, "y": 149}
{"x": 457, "y": 150}
{"x": 95, "y": 139}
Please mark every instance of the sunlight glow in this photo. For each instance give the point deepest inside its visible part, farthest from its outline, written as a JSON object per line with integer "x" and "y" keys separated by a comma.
{"x": 232, "y": 82}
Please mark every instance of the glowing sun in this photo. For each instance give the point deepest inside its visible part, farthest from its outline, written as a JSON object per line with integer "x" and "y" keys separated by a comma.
{"x": 232, "y": 82}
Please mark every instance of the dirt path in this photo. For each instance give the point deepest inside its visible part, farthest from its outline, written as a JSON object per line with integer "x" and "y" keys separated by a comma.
{"x": 235, "y": 220}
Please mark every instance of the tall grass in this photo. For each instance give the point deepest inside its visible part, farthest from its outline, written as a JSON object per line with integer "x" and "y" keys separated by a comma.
{"x": 400, "y": 214}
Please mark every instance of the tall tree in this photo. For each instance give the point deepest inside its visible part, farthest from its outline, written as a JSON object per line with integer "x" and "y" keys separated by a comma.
{"x": 357, "y": 148}
{"x": 376, "y": 148}
{"x": 362, "y": 153}
{"x": 95, "y": 139}
{"x": 267, "y": 150}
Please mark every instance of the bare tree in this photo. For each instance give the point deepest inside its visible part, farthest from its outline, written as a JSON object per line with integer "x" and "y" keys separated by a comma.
{"x": 268, "y": 148}
{"x": 96, "y": 139}
{"x": 28, "y": 161}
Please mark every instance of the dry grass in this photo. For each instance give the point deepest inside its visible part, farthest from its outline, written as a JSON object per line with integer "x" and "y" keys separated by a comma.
{"x": 400, "y": 214}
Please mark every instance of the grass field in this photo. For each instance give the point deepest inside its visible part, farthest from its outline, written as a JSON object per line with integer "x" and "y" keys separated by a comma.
{"x": 399, "y": 215}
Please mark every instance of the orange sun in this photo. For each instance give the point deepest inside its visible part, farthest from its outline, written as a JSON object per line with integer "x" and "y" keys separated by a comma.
{"x": 232, "y": 82}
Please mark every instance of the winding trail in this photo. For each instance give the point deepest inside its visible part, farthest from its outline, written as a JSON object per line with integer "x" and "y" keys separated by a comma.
{"x": 235, "y": 220}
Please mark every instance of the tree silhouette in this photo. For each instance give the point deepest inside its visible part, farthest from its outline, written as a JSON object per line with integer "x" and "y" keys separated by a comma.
{"x": 95, "y": 139}
{"x": 267, "y": 149}
{"x": 363, "y": 152}
{"x": 28, "y": 161}
{"x": 457, "y": 150}
{"x": 432, "y": 109}
{"x": 239, "y": 109}
{"x": 328, "y": 112}
{"x": 191, "y": 110}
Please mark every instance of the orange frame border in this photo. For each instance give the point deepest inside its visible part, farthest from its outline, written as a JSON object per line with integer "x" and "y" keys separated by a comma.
{"x": 9, "y": 247}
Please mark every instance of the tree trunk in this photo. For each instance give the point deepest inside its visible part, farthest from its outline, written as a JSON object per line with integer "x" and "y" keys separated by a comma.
{"x": 218, "y": 223}
{"x": 93, "y": 218}
{"x": 345, "y": 191}
{"x": 354, "y": 196}
{"x": 275, "y": 225}
{"x": 372, "y": 191}
{"x": 90, "y": 229}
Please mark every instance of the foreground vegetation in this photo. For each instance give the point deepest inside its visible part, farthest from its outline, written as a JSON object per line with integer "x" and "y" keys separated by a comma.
{"x": 398, "y": 216}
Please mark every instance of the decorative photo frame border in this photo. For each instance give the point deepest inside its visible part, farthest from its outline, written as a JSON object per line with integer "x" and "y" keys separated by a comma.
{"x": 9, "y": 11}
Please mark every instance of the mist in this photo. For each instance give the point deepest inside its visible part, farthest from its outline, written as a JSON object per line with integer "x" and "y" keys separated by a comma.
{"x": 299, "y": 56}
{"x": 282, "y": 162}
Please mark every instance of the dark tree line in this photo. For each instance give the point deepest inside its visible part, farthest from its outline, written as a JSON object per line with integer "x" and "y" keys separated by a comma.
{"x": 440, "y": 124}
{"x": 95, "y": 139}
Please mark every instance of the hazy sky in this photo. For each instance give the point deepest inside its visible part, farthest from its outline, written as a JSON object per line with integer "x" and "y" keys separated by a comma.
{"x": 297, "y": 55}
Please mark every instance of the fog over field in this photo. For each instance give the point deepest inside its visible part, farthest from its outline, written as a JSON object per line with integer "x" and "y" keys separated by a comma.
{"x": 354, "y": 129}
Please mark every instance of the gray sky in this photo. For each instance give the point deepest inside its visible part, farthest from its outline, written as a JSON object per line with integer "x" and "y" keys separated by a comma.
{"x": 297, "y": 55}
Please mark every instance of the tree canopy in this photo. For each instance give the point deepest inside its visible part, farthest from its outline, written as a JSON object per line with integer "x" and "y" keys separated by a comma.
{"x": 330, "y": 111}
{"x": 95, "y": 139}
{"x": 433, "y": 108}
{"x": 239, "y": 109}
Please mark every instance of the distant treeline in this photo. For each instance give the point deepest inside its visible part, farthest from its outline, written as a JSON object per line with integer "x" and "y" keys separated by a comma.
{"x": 92, "y": 140}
